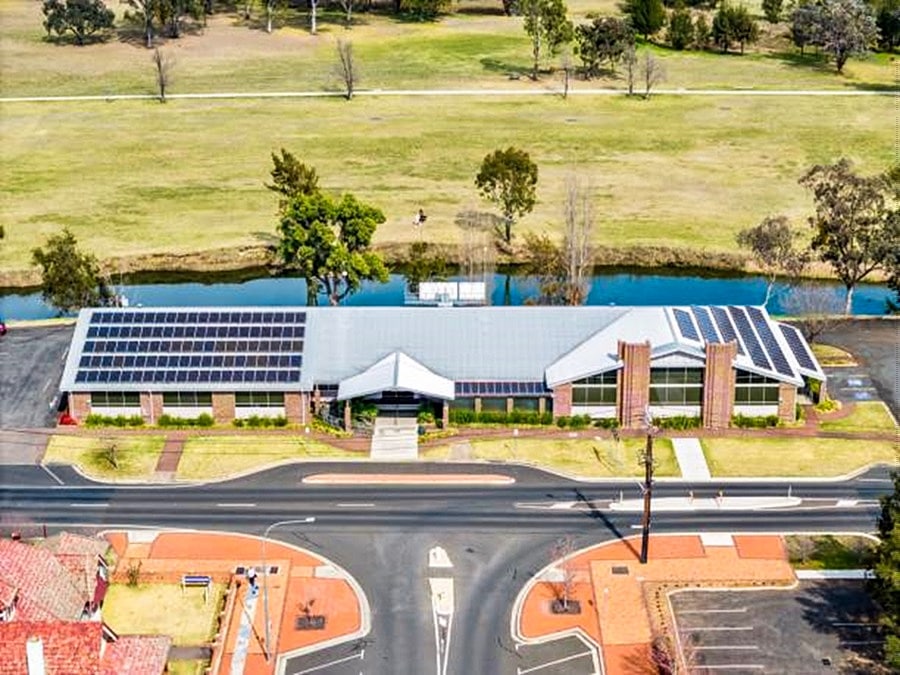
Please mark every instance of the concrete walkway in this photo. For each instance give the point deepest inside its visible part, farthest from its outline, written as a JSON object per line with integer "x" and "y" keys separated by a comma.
{"x": 691, "y": 460}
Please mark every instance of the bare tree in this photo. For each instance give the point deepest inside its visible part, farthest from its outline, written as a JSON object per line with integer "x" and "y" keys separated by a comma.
{"x": 630, "y": 61}
{"x": 313, "y": 9}
{"x": 163, "y": 65}
{"x": 347, "y": 69}
{"x": 347, "y": 6}
{"x": 652, "y": 72}
{"x": 577, "y": 250}
{"x": 772, "y": 245}
{"x": 567, "y": 72}
{"x": 669, "y": 656}
{"x": 816, "y": 308}
{"x": 563, "y": 586}
{"x": 110, "y": 453}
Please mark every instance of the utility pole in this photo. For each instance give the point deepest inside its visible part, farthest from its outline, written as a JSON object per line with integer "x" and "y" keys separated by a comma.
{"x": 647, "y": 490}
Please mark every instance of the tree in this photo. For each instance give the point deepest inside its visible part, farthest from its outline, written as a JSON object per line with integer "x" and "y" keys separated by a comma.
{"x": 347, "y": 6}
{"x": 347, "y": 70}
{"x": 885, "y": 587}
{"x": 566, "y": 578}
{"x": 772, "y": 10}
{"x": 887, "y": 18}
{"x": 702, "y": 32}
{"x": 734, "y": 24}
{"x": 605, "y": 39}
{"x": 772, "y": 245}
{"x": 816, "y": 308}
{"x": 162, "y": 65}
{"x": 630, "y": 60}
{"x": 508, "y": 179}
{"x": 327, "y": 243}
{"x": 652, "y": 72}
{"x": 425, "y": 10}
{"x": 547, "y": 26}
{"x": 171, "y": 14}
{"x": 681, "y": 28}
{"x": 847, "y": 28}
{"x": 145, "y": 12}
{"x": 854, "y": 230}
{"x": 70, "y": 279}
{"x": 645, "y": 16}
{"x": 425, "y": 262}
{"x": 806, "y": 25}
{"x": 83, "y": 18}
{"x": 291, "y": 178}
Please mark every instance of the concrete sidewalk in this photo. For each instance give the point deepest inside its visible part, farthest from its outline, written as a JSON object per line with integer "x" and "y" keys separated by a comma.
{"x": 691, "y": 459}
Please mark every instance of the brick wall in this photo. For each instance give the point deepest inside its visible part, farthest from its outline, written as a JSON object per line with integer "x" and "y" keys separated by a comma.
{"x": 718, "y": 385}
{"x": 787, "y": 400}
{"x": 223, "y": 407}
{"x": 151, "y": 407}
{"x": 294, "y": 403}
{"x": 79, "y": 406}
{"x": 445, "y": 415}
{"x": 633, "y": 390}
{"x": 562, "y": 400}
{"x": 348, "y": 416}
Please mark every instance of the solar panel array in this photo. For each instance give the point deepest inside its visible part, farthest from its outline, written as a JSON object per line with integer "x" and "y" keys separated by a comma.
{"x": 757, "y": 353}
{"x": 795, "y": 342}
{"x": 686, "y": 324}
{"x": 726, "y": 328}
{"x": 192, "y": 347}
{"x": 769, "y": 341}
{"x": 500, "y": 389}
{"x": 707, "y": 328}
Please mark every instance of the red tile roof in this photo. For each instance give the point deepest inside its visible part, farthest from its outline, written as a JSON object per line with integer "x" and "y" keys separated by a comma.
{"x": 7, "y": 593}
{"x": 47, "y": 590}
{"x": 136, "y": 655}
{"x": 66, "y": 543}
{"x": 70, "y": 648}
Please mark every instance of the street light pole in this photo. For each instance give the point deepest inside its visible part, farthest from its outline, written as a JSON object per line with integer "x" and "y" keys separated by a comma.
{"x": 648, "y": 492}
{"x": 297, "y": 521}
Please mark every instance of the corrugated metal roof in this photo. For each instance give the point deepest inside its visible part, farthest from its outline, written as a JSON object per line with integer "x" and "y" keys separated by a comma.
{"x": 396, "y": 372}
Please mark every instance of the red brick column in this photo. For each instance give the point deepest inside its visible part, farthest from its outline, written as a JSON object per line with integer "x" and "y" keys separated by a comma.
{"x": 478, "y": 404}
{"x": 787, "y": 400}
{"x": 293, "y": 407}
{"x": 348, "y": 416}
{"x": 445, "y": 415}
{"x": 562, "y": 400}
{"x": 542, "y": 405}
{"x": 223, "y": 407}
{"x": 79, "y": 405}
{"x": 151, "y": 407}
{"x": 633, "y": 390}
{"x": 718, "y": 385}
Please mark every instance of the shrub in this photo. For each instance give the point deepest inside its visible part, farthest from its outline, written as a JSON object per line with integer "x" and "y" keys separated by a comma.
{"x": 677, "y": 422}
{"x": 827, "y": 405}
{"x": 202, "y": 420}
{"x": 95, "y": 420}
{"x": 492, "y": 417}
{"x": 607, "y": 423}
{"x": 461, "y": 416}
{"x": 365, "y": 410}
{"x": 751, "y": 422}
{"x": 562, "y": 421}
{"x": 579, "y": 421}
{"x": 425, "y": 417}
{"x": 238, "y": 422}
{"x": 205, "y": 420}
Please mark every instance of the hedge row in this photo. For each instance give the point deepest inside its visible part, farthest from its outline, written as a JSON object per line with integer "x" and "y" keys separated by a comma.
{"x": 500, "y": 417}
{"x": 761, "y": 422}
{"x": 94, "y": 420}
{"x": 201, "y": 420}
{"x": 256, "y": 422}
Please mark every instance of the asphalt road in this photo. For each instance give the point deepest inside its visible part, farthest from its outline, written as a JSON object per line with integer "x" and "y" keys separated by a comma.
{"x": 382, "y": 535}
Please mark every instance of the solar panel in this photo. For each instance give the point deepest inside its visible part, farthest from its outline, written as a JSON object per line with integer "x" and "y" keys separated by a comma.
{"x": 769, "y": 341}
{"x": 757, "y": 353}
{"x": 705, "y": 323}
{"x": 726, "y": 328}
{"x": 686, "y": 325}
{"x": 798, "y": 347}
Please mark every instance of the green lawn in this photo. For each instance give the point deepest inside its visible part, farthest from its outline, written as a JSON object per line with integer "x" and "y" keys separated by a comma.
{"x": 786, "y": 456}
{"x": 828, "y": 355}
{"x": 584, "y": 457}
{"x": 136, "y": 456}
{"x": 163, "y": 608}
{"x": 187, "y": 667}
{"x": 135, "y": 178}
{"x": 828, "y": 552}
{"x": 866, "y": 416}
{"x": 208, "y": 457}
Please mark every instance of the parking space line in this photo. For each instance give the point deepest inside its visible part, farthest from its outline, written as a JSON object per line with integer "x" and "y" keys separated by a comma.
{"x": 52, "y": 475}
{"x": 868, "y": 625}
{"x": 352, "y": 657}
{"x": 572, "y": 657}
{"x": 725, "y": 648}
{"x": 714, "y": 611}
{"x": 715, "y": 628}
{"x": 734, "y": 666}
{"x": 862, "y": 643}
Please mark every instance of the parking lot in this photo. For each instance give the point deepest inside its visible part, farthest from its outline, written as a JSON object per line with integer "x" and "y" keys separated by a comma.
{"x": 566, "y": 656}
{"x": 819, "y": 627}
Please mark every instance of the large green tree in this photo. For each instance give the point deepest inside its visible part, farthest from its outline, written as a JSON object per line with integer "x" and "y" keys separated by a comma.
{"x": 547, "y": 26}
{"x": 847, "y": 28}
{"x": 772, "y": 244}
{"x": 327, "y": 242}
{"x": 886, "y": 584}
{"x": 508, "y": 179}
{"x": 681, "y": 28}
{"x": 291, "y": 178}
{"x": 733, "y": 23}
{"x": 70, "y": 278}
{"x": 887, "y": 18}
{"x": 604, "y": 39}
{"x": 82, "y": 18}
{"x": 855, "y": 229}
{"x": 145, "y": 13}
{"x": 645, "y": 16}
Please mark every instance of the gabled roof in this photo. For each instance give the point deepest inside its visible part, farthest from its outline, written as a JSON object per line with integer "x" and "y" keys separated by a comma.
{"x": 396, "y": 372}
{"x": 136, "y": 655}
{"x": 47, "y": 590}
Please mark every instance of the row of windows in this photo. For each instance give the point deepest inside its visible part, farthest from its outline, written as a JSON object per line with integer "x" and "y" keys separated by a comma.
{"x": 116, "y": 399}
{"x": 756, "y": 394}
{"x": 676, "y": 376}
{"x": 259, "y": 399}
{"x": 607, "y": 378}
{"x": 529, "y": 404}
{"x": 594, "y": 395}
{"x": 675, "y": 395}
{"x": 187, "y": 399}
{"x": 744, "y": 377}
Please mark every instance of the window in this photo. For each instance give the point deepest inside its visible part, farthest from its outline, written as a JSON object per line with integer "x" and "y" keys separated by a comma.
{"x": 753, "y": 389}
{"x": 115, "y": 399}
{"x": 259, "y": 399}
{"x": 598, "y": 390}
{"x": 187, "y": 399}
{"x": 676, "y": 386}
{"x": 526, "y": 403}
{"x": 493, "y": 404}
{"x": 462, "y": 404}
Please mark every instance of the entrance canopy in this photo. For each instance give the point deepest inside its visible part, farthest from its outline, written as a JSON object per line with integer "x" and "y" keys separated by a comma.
{"x": 396, "y": 372}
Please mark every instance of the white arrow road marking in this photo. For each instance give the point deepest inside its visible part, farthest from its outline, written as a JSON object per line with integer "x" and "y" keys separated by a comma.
{"x": 442, "y": 606}
{"x": 437, "y": 557}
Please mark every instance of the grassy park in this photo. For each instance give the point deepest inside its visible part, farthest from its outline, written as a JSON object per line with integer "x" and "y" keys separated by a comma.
{"x": 865, "y": 416}
{"x": 109, "y": 459}
{"x": 138, "y": 178}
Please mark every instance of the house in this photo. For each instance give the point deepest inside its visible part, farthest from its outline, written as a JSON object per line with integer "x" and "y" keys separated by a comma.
{"x": 711, "y": 362}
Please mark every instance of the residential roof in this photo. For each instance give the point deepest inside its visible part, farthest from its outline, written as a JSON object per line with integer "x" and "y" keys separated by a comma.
{"x": 47, "y": 590}
{"x": 396, "y": 372}
{"x": 112, "y": 348}
{"x": 136, "y": 655}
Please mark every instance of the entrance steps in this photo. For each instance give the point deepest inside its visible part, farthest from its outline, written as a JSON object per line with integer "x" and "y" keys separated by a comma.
{"x": 395, "y": 438}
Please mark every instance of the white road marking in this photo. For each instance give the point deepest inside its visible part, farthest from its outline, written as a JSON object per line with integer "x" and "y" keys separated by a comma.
{"x": 843, "y": 503}
{"x": 874, "y": 480}
{"x": 713, "y": 611}
{"x": 355, "y": 505}
{"x": 724, "y": 648}
{"x": 437, "y": 557}
{"x": 88, "y": 505}
{"x": 236, "y": 505}
{"x": 522, "y": 671}
{"x": 332, "y": 663}
{"x": 52, "y": 475}
{"x": 735, "y": 666}
{"x": 716, "y": 628}
{"x": 870, "y": 624}
{"x": 862, "y": 643}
